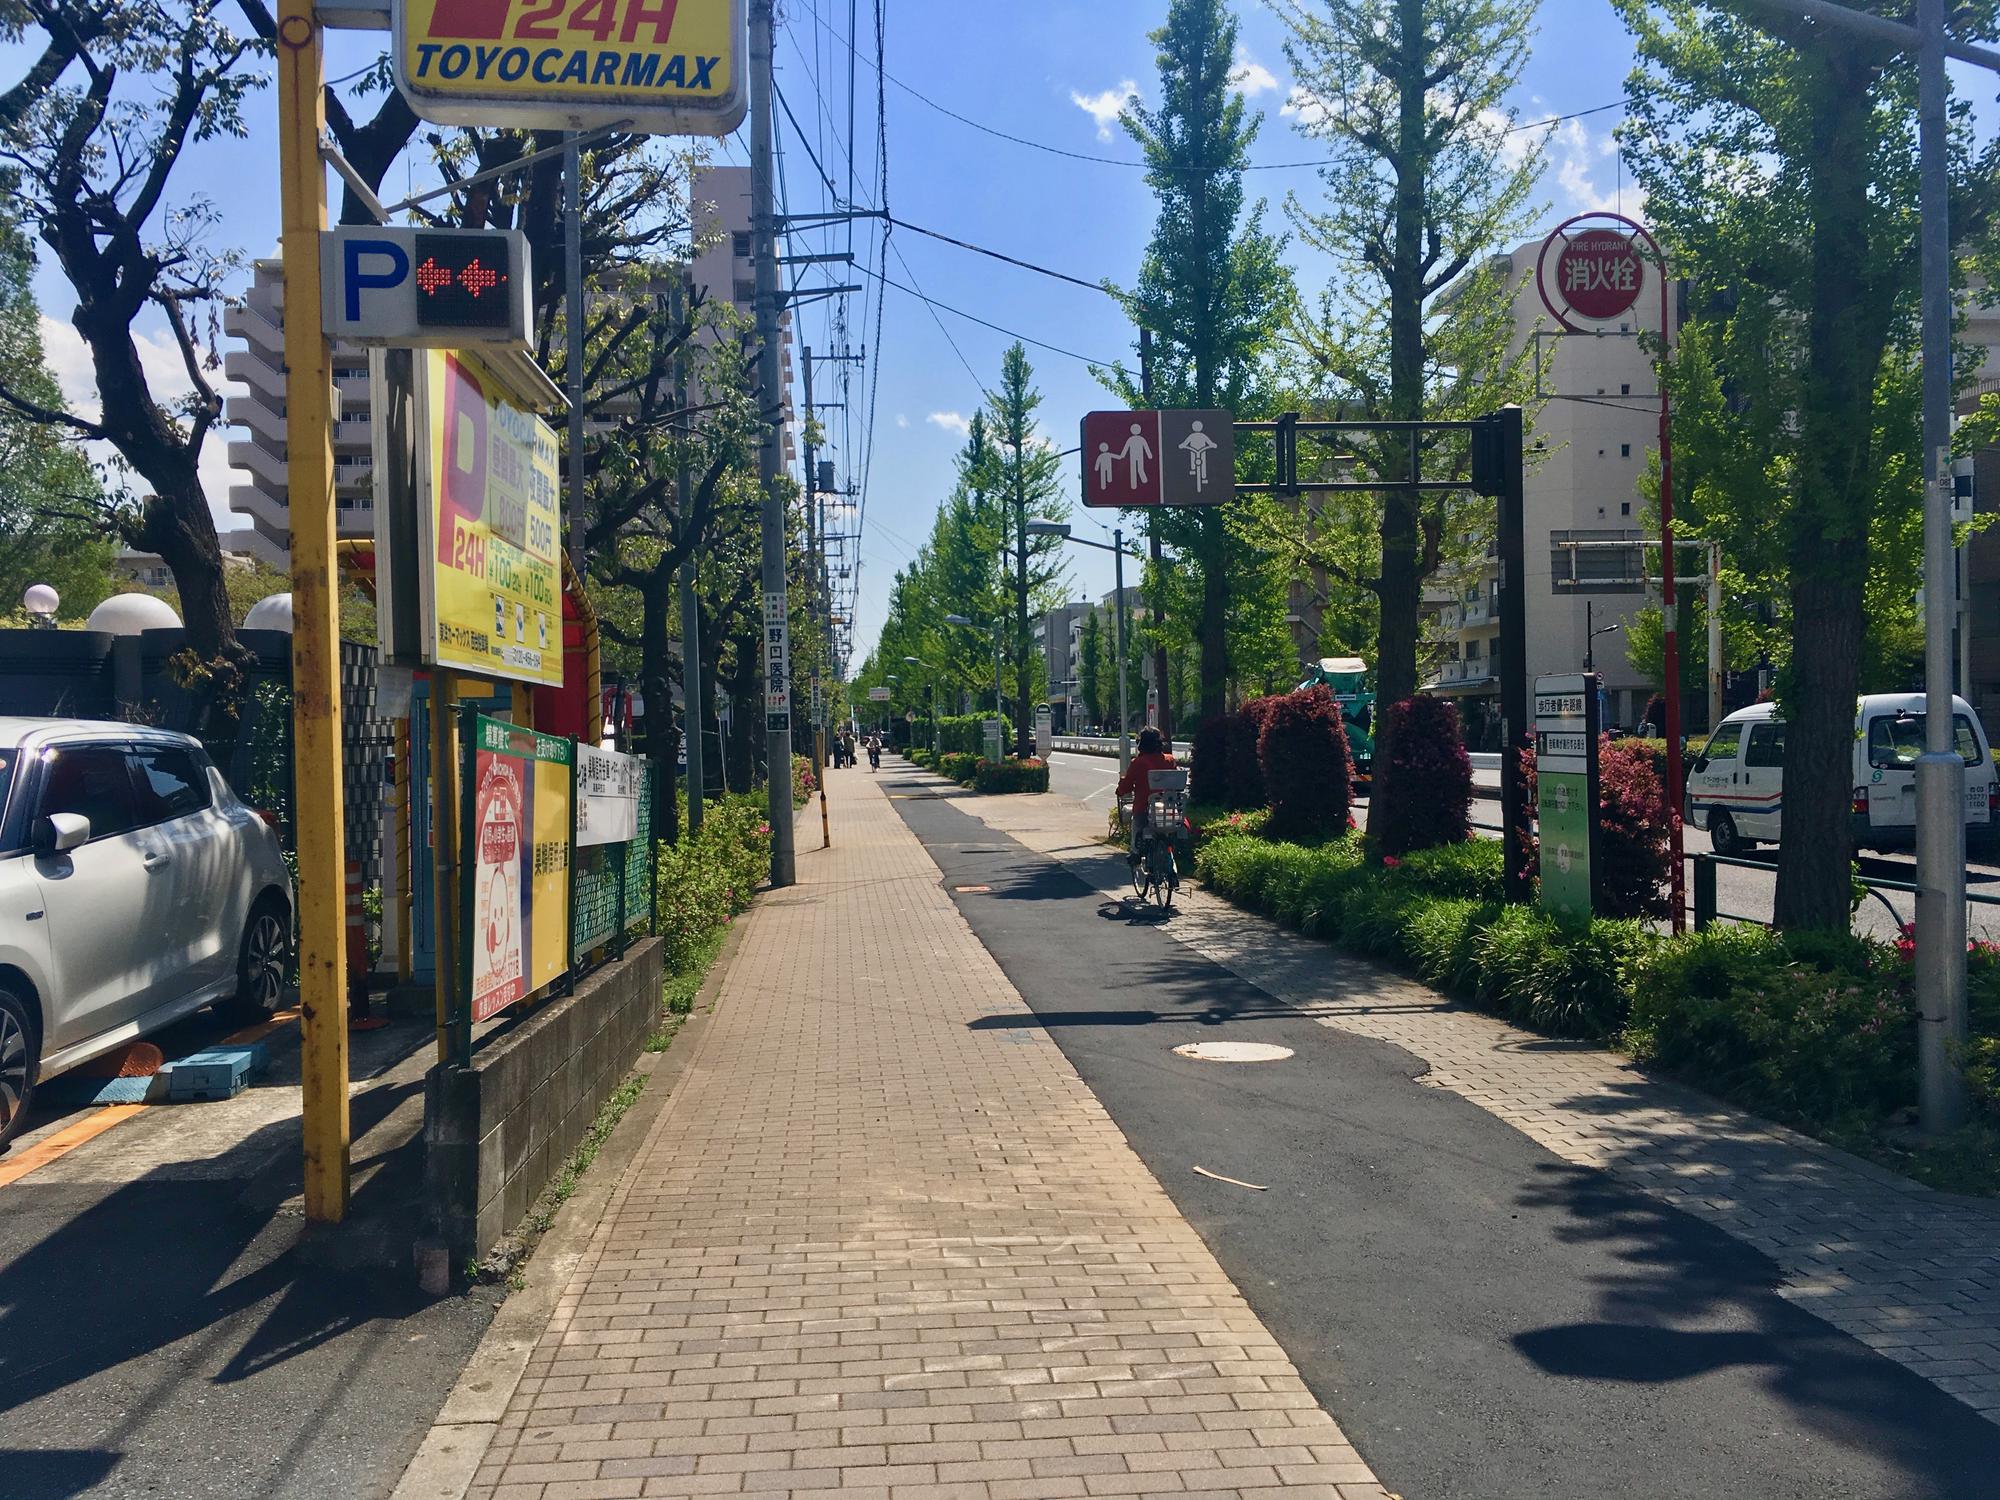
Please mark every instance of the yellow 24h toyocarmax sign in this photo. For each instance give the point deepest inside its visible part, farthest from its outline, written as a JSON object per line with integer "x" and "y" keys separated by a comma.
{"x": 670, "y": 67}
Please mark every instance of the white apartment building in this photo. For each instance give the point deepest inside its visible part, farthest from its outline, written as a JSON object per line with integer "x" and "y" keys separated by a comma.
{"x": 257, "y": 364}
{"x": 1587, "y": 449}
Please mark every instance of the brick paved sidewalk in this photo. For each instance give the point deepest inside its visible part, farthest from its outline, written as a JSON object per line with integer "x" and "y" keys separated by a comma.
{"x": 869, "y": 1250}
{"x": 1912, "y": 1273}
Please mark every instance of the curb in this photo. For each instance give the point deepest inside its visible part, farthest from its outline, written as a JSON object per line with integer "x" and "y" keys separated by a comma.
{"x": 451, "y": 1451}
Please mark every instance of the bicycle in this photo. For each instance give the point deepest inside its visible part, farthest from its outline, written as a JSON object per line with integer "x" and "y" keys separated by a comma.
{"x": 1157, "y": 871}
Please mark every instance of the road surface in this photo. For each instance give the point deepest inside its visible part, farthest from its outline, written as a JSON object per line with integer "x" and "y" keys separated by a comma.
{"x": 1483, "y": 1319}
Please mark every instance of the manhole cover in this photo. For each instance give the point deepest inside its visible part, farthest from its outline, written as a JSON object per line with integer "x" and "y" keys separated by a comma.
{"x": 1233, "y": 1052}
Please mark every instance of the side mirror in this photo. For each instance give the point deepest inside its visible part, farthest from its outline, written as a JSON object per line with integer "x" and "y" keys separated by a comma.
{"x": 59, "y": 833}
{"x": 1700, "y": 764}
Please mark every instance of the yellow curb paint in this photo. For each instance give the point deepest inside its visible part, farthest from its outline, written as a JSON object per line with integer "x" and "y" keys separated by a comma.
{"x": 59, "y": 1145}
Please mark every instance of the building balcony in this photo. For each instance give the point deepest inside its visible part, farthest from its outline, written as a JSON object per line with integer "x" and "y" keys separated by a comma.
{"x": 248, "y": 367}
{"x": 256, "y": 459}
{"x": 254, "y": 326}
{"x": 266, "y": 510}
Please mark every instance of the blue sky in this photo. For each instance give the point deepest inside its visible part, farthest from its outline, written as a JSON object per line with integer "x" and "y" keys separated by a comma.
{"x": 1049, "y": 71}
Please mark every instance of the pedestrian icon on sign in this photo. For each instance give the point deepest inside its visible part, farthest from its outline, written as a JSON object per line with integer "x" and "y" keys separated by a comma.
{"x": 1107, "y": 463}
{"x": 1197, "y": 445}
{"x": 1135, "y": 453}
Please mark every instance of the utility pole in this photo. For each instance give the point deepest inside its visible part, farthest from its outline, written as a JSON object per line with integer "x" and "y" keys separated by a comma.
{"x": 811, "y": 607}
{"x": 1941, "y": 999}
{"x": 573, "y": 315}
{"x": 777, "y": 629}
{"x": 1153, "y": 546}
{"x": 690, "y": 607}
{"x": 316, "y": 620}
{"x": 1124, "y": 702}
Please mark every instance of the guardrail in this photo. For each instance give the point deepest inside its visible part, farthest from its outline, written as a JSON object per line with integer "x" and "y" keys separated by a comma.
{"x": 1706, "y": 913}
{"x": 1095, "y": 744}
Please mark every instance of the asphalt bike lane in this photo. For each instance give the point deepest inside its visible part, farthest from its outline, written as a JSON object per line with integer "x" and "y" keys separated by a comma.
{"x": 1482, "y": 1318}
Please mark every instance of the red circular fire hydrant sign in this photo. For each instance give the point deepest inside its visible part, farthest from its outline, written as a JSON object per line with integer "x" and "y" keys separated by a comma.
{"x": 1599, "y": 273}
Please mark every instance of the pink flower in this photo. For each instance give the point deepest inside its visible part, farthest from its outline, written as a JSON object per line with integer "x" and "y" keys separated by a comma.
{"x": 1390, "y": 862}
{"x": 763, "y": 827}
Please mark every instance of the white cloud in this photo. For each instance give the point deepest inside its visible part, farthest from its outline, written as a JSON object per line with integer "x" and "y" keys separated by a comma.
{"x": 1303, "y": 105}
{"x": 1105, "y": 108}
{"x": 902, "y": 420}
{"x": 1250, "y": 77}
{"x": 950, "y": 421}
{"x": 69, "y": 361}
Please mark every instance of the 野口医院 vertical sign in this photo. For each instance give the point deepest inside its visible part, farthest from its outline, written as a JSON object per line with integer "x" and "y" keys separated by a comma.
{"x": 490, "y": 524}
{"x": 608, "y": 788}
{"x": 518, "y": 860}
{"x": 1566, "y": 728}
{"x": 669, "y": 67}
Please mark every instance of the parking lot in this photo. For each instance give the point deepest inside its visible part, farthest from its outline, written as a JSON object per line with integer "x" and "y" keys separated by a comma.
{"x": 166, "y": 1318}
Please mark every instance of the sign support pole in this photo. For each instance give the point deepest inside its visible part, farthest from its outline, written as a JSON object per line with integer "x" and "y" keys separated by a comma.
{"x": 770, "y": 390}
{"x": 1514, "y": 721}
{"x": 316, "y": 620}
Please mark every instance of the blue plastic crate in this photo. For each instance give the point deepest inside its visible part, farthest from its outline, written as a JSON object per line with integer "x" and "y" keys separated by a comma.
{"x": 214, "y": 1073}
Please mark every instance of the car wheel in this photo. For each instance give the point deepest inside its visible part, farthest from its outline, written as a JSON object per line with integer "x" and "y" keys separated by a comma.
{"x": 1723, "y": 836}
{"x": 18, "y": 1050}
{"x": 261, "y": 961}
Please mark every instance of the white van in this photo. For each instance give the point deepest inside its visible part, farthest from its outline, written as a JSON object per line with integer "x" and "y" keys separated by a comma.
{"x": 1736, "y": 785}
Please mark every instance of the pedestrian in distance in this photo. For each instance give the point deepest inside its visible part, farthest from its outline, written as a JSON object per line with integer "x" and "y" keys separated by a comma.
{"x": 874, "y": 752}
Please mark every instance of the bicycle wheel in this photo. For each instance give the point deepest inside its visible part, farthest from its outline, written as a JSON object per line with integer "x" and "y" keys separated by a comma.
{"x": 1173, "y": 881}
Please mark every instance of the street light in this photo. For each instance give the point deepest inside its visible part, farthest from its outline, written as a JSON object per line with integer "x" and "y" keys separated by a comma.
{"x": 1116, "y": 546}
{"x": 1591, "y": 633}
{"x": 918, "y": 661}
{"x": 999, "y": 713}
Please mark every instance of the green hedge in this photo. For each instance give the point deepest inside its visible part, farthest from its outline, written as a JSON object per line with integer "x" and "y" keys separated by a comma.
{"x": 1815, "y": 1030}
{"x": 708, "y": 877}
{"x": 959, "y": 765}
{"x": 1011, "y": 776}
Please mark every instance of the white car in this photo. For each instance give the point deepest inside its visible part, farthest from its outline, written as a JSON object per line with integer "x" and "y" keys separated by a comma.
{"x": 1736, "y": 785}
{"x": 135, "y": 887}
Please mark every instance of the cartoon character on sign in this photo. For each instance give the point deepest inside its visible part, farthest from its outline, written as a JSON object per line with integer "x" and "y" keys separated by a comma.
{"x": 496, "y": 978}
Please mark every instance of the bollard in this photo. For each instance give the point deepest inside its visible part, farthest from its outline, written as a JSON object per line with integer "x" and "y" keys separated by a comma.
{"x": 1704, "y": 891}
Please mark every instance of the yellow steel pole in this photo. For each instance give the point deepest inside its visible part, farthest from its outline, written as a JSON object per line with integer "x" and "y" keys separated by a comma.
{"x": 315, "y": 618}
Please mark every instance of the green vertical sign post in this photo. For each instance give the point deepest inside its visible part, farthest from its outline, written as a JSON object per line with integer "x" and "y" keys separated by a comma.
{"x": 1566, "y": 735}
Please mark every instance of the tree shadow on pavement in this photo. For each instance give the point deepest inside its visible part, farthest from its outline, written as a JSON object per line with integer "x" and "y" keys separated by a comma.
{"x": 56, "y": 1473}
{"x": 1689, "y": 1299}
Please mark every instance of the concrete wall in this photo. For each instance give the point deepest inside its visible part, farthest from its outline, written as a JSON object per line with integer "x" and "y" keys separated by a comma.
{"x": 497, "y": 1131}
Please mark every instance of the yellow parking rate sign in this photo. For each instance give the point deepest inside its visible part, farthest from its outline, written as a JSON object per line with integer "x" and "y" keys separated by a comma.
{"x": 669, "y": 67}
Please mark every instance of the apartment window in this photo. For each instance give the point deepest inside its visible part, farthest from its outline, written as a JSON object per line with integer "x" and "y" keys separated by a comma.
{"x": 739, "y": 244}
{"x": 1625, "y": 508}
{"x": 745, "y": 291}
{"x": 1472, "y": 650}
{"x": 1625, "y": 389}
{"x": 1624, "y": 450}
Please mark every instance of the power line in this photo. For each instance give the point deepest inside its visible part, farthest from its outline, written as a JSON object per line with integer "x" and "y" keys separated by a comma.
{"x": 935, "y": 306}
{"x": 1026, "y": 265}
{"x": 1142, "y": 165}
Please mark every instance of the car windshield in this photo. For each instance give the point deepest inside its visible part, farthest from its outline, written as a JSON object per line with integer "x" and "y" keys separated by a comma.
{"x": 1896, "y": 740}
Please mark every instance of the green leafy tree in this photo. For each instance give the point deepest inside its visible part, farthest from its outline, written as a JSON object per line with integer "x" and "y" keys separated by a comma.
{"x": 91, "y": 151}
{"x": 1090, "y": 650}
{"x": 1027, "y": 468}
{"x": 1409, "y": 97}
{"x": 1779, "y": 162}
{"x": 1212, "y": 291}
{"x": 50, "y": 526}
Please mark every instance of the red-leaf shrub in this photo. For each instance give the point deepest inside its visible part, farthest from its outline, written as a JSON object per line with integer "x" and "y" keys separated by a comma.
{"x": 1246, "y": 766}
{"x": 1634, "y": 857}
{"x": 1208, "y": 777}
{"x": 1308, "y": 770}
{"x": 1432, "y": 776}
